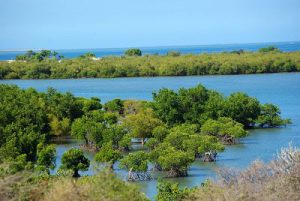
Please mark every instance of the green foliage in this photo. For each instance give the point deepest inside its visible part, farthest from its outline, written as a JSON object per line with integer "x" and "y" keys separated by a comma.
{"x": 108, "y": 155}
{"x": 200, "y": 144}
{"x": 167, "y": 106}
{"x": 180, "y": 147}
{"x": 125, "y": 142}
{"x": 133, "y": 52}
{"x": 151, "y": 143}
{"x": 74, "y": 159}
{"x": 87, "y": 55}
{"x": 23, "y": 122}
{"x": 242, "y": 108}
{"x": 153, "y": 65}
{"x": 98, "y": 127}
{"x": 269, "y": 49}
{"x": 91, "y": 104}
{"x": 160, "y": 132}
{"x": 270, "y": 116}
{"x": 179, "y": 134}
{"x": 223, "y": 128}
{"x": 168, "y": 191}
{"x": 116, "y": 105}
{"x": 173, "y": 53}
{"x": 59, "y": 128}
{"x": 114, "y": 134}
{"x": 18, "y": 164}
{"x": 197, "y": 105}
{"x": 169, "y": 159}
{"x": 46, "y": 157}
{"x": 193, "y": 103}
{"x": 62, "y": 105}
{"x": 133, "y": 106}
{"x": 39, "y": 56}
{"x": 136, "y": 161}
{"x": 89, "y": 130}
{"x": 241, "y": 51}
{"x": 214, "y": 106}
{"x": 142, "y": 124}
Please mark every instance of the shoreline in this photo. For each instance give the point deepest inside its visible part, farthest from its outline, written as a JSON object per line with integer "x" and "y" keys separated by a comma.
{"x": 149, "y": 77}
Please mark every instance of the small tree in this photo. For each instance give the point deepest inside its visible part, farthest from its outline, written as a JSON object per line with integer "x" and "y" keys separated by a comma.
{"x": 269, "y": 49}
{"x": 225, "y": 129}
{"x": 175, "y": 162}
{"x": 107, "y": 154}
{"x": 173, "y": 53}
{"x": 89, "y": 130}
{"x": 46, "y": 157}
{"x": 133, "y": 52}
{"x": 203, "y": 146}
{"x": 168, "y": 191}
{"x": 137, "y": 165}
{"x": 74, "y": 159}
{"x": 242, "y": 108}
{"x": 115, "y": 105}
{"x": 142, "y": 124}
{"x": 88, "y": 55}
{"x": 125, "y": 143}
{"x": 270, "y": 117}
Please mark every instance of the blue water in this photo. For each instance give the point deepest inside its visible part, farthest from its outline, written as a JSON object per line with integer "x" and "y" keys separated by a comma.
{"x": 282, "y": 89}
{"x": 284, "y": 46}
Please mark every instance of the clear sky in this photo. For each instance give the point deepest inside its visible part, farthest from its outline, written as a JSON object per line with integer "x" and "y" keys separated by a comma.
{"x": 63, "y": 24}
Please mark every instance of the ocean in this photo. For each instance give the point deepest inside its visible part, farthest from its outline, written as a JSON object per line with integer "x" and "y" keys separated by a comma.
{"x": 194, "y": 49}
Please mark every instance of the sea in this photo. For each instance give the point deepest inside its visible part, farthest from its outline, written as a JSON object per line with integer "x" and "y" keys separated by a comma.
{"x": 189, "y": 49}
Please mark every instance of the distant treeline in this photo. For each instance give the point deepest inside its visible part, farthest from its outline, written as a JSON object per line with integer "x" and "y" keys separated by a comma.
{"x": 50, "y": 65}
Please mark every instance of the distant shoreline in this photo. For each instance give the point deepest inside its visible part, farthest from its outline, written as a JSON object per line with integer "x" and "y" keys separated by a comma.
{"x": 226, "y": 63}
{"x": 20, "y": 50}
{"x": 148, "y": 47}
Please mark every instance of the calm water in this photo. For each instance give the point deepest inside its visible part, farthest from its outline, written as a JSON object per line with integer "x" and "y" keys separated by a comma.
{"x": 281, "y": 89}
{"x": 196, "y": 49}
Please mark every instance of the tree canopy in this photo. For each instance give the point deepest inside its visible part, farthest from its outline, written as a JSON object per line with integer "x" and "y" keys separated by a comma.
{"x": 73, "y": 159}
{"x": 133, "y": 52}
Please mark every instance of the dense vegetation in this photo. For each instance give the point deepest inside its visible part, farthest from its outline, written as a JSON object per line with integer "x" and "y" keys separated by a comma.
{"x": 177, "y": 128}
{"x": 47, "y": 64}
{"x": 276, "y": 180}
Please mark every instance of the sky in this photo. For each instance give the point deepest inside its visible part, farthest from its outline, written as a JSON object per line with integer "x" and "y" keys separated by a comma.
{"x": 73, "y": 24}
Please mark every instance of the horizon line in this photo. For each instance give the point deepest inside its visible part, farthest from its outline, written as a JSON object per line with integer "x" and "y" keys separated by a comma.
{"x": 142, "y": 47}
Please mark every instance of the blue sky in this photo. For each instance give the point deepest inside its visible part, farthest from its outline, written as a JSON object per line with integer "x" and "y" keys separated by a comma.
{"x": 64, "y": 24}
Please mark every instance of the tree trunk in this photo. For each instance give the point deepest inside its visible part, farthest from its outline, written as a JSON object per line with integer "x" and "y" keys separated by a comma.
{"x": 130, "y": 175}
{"x": 177, "y": 173}
{"x": 209, "y": 156}
{"x": 86, "y": 141}
{"x": 143, "y": 141}
{"x": 76, "y": 174}
{"x": 111, "y": 166}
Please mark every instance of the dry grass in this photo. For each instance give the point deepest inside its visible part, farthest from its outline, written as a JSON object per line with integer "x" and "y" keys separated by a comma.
{"x": 275, "y": 181}
{"x": 105, "y": 186}
{"x": 23, "y": 186}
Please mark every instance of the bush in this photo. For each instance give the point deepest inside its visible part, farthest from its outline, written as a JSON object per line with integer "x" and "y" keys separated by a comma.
{"x": 133, "y": 52}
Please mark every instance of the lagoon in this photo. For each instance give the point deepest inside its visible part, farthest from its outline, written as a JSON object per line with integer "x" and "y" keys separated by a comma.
{"x": 282, "y": 89}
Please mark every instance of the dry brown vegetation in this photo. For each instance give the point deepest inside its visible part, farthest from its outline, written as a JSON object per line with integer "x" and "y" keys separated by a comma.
{"x": 105, "y": 187}
{"x": 277, "y": 180}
